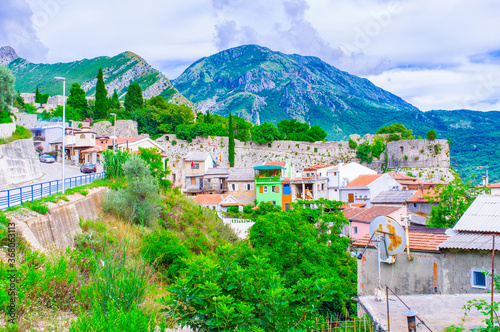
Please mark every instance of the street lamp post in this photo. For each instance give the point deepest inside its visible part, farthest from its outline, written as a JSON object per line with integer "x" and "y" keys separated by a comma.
{"x": 63, "y": 129}
{"x": 114, "y": 135}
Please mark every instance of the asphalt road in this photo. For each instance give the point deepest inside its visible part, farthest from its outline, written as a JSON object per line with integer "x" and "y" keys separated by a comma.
{"x": 53, "y": 172}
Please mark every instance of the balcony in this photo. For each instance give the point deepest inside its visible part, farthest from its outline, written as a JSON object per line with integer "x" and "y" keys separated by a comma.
{"x": 268, "y": 179}
{"x": 214, "y": 187}
{"x": 194, "y": 189}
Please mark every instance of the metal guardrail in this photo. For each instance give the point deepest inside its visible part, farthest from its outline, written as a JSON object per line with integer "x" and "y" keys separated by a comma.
{"x": 17, "y": 196}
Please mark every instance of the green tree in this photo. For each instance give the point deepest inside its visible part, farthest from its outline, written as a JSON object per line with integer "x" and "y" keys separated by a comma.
{"x": 133, "y": 98}
{"x": 453, "y": 200}
{"x": 78, "y": 101}
{"x": 364, "y": 152}
{"x": 114, "y": 101}
{"x": 397, "y": 132}
{"x": 377, "y": 147}
{"x": 231, "y": 142}
{"x": 235, "y": 290}
{"x": 242, "y": 129}
{"x": 158, "y": 168}
{"x": 431, "y": 135}
{"x": 265, "y": 133}
{"x": 6, "y": 94}
{"x": 353, "y": 145}
{"x": 37, "y": 96}
{"x": 19, "y": 101}
{"x": 101, "y": 98}
{"x": 315, "y": 133}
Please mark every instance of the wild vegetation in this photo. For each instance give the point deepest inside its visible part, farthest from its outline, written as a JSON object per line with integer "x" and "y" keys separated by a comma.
{"x": 156, "y": 259}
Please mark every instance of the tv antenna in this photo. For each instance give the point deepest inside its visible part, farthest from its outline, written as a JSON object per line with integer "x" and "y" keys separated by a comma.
{"x": 389, "y": 238}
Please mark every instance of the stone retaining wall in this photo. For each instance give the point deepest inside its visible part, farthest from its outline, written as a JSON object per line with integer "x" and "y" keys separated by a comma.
{"x": 6, "y": 129}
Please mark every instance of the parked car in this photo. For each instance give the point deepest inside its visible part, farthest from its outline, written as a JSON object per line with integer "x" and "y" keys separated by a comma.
{"x": 88, "y": 168}
{"x": 47, "y": 158}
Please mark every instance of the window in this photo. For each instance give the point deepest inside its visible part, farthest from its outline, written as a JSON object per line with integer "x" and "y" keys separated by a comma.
{"x": 351, "y": 198}
{"x": 273, "y": 189}
{"x": 414, "y": 204}
{"x": 82, "y": 136}
{"x": 249, "y": 187}
{"x": 195, "y": 166}
{"x": 233, "y": 187}
{"x": 334, "y": 173}
{"x": 322, "y": 186}
{"x": 287, "y": 206}
{"x": 355, "y": 230}
{"x": 265, "y": 189}
{"x": 193, "y": 181}
{"x": 173, "y": 177}
{"x": 478, "y": 279}
{"x": 274, "y": 202}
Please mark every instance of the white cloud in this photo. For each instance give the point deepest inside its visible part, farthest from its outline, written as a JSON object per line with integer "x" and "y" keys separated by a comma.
{"x": 420, "y": 50}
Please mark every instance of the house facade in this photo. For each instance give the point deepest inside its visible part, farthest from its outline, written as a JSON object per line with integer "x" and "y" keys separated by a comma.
{"x": 365, "y": 187}
{"x": 241, "y": 185}
{"x": 268, "y": 182}
{"x": 341, "y": 175}
{"x": 195, "y": 166}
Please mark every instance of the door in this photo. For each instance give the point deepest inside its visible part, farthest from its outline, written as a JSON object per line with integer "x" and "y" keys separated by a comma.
{"x": 351, "y": 198}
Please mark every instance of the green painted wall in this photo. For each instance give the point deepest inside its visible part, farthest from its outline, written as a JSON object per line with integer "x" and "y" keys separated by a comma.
{"x": 270, "y": 196}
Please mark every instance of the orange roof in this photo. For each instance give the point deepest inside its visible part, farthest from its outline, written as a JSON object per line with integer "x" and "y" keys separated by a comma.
{"x": 364, "y": 180}
{"x": 96, "y": 148}
{"x": 316, "y": 167}
{"x": 493, "y": 185}
{"x": 398, "y": 176}
{"x": 421, "y": 238}
{"x": 209, "y": 198}
{"x": 276, "y": 163}
{"x": 425, "y": 195}
{"x": 231, "y": 204}
{"x": 367, "y": 214}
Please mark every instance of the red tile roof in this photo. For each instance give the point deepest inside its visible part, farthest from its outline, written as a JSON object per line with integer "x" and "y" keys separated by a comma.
{"x": 425, "y": 196}
{"x": 316, "y": 167}
{"x": 367, "y": 214}
{"x": 364, "y": 180}
{"x": 209, "y": 198}
{"x": 276, "y": 163}
{"x": 421, "y": 238}
{"x": 398, "y": 176}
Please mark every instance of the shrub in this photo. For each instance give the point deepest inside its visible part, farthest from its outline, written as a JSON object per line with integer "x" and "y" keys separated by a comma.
{"x": 165, "y": 251}
{"x": 113, "y": 162}
{"x": 431, "y": 135}
{"x": 353, "y": 145}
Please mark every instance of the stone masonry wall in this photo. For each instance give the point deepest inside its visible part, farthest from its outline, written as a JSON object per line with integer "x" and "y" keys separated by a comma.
{"x": 124, "y": 128}
{"x": 18, "y": 162}
{"x": 6, "y": 129}
{"x": 302, "y": 154}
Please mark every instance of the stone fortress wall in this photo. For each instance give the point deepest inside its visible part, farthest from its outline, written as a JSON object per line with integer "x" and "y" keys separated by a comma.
{"x": 401, "y": 155}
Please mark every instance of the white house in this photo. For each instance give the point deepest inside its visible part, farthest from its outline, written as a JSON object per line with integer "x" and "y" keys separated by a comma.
{"x": 365, "y": 187}
{"x": 341, "y": 175}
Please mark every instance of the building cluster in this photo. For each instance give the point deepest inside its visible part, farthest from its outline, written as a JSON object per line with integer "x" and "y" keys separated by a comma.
{"x": 82, "y": 143}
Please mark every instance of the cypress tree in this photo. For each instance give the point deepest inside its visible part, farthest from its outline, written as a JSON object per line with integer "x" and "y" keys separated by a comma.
{"x": 101, "y": 97}
{"x": 133, "y": 98}
{"x": 114, "y": 102}
{"x": 231, "y": 141}
{"x": 37, "y": 96}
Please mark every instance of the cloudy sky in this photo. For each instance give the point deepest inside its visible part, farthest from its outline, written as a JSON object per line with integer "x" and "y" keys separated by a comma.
{"x": 435, "y": 54}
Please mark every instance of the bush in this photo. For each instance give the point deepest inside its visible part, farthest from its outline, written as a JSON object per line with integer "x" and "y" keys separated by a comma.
{"x": 138, "y": 202}
{"x": 165, "y": 251}
{"x": 431, "y": 135}
{"x": 113, "y": 162}
{"x": 353, "y": 145}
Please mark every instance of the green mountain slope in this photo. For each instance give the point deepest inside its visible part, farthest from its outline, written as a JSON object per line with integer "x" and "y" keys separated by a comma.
{"x": 119, "y": 71}
{"x": 261, "y": 85}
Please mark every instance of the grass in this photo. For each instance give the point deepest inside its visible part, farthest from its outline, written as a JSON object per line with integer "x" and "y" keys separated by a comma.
{"x": 19, "y": 133}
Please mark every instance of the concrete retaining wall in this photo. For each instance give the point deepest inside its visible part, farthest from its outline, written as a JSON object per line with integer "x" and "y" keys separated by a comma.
{"x": 59, "y": 226}
{"x": 19, "y": 162}
{"x": 6, "y": 129}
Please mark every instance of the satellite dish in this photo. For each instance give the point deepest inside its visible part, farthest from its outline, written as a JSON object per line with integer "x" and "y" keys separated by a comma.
{"x": 392, "y": 239}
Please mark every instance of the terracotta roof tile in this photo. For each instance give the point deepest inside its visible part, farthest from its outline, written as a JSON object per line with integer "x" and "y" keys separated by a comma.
{"x": 209, "y": 199}
{"x": 421, "y": 238}
{"x": 367, "y": 214}
{"x": 398, "y": 176}
{"x": 493, "y": 185}
{"x": 316, "y": 167}
{"x": 276, "y": 163}
{"x": 364, "y": 180}
{"x": 425, "y": 196}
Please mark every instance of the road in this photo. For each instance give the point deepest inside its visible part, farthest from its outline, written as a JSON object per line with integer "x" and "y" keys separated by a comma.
{"x": 37, "y": 188}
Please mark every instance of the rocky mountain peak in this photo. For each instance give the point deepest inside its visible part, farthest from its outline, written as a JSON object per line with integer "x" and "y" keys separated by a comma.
{"x": 7, "y": 55}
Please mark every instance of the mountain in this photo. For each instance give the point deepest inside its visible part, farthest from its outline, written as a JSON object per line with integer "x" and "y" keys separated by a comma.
{"x": 266, "y": 86}
{"x": 119, "y": 72}
{"x": 262, "y": 85}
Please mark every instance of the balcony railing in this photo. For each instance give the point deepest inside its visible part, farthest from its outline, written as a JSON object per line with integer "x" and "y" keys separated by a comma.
{"x": 268, "y": 179}
{"x": 207, "y": 186}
